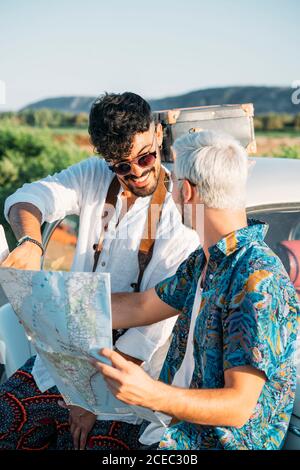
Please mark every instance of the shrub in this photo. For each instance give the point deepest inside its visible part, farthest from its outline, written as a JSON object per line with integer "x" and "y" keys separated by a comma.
{"x": 287, "y": 151}
{"x": 273, "y": 122}
{"x": 45, "y": 117}
{"x": 28, "y": 155}
{"x": 297, "y": 122}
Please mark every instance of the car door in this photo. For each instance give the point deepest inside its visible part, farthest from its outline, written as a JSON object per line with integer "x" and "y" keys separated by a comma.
{"x": 284, "y": 238}
{"x": 59, "y": 240}
{"x": 283, "y": 235}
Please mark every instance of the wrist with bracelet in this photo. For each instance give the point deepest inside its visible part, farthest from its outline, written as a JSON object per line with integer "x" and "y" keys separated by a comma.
{"x": 26, "y": 238}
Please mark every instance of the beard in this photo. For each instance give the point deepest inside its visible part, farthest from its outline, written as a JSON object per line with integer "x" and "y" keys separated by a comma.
{"x": 146, "y": 190}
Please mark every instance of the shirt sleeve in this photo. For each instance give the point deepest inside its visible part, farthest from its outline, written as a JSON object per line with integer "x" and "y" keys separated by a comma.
{"x": 56, "y": 196}
{"x": 173, "y": 291}
{"x": 257, "y": 324}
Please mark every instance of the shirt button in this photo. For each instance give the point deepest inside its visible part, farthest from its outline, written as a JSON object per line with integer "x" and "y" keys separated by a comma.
{"x": 103, "y": 263}
{"x": 211, "y": 276}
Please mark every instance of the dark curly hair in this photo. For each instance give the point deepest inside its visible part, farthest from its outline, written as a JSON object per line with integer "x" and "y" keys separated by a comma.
{"x": 113, "y": 122}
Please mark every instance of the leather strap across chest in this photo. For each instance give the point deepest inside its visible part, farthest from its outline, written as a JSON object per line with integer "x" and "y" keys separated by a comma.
{"x": 153, "y": 217}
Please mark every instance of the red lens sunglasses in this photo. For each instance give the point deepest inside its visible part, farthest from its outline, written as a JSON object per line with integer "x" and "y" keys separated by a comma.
{"x": 144, "y": 161}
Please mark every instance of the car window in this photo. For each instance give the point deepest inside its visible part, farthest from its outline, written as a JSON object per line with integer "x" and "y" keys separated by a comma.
{"x": 284, "y": 237}
{"x": 61, "y": 244}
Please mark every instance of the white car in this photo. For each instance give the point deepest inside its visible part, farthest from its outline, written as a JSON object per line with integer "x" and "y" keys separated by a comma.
{"x": 273, "y": 196}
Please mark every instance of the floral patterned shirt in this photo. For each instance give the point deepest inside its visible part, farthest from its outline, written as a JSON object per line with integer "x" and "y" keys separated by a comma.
{"x": 248, "y": 316}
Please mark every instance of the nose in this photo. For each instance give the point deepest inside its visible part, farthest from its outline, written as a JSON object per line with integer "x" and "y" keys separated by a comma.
{"x": 136, "y": 170}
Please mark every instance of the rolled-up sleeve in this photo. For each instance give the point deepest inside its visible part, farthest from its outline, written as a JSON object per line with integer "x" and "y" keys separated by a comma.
{"x": 55, "y": 196}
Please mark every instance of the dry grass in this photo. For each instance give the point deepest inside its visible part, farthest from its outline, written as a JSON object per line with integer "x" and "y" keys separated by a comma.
{"x": 266, "y": 144}
{"x": 269, "y": 145}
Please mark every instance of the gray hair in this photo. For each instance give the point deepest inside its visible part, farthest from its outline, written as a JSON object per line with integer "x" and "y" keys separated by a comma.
{"x": 217, "y": 164}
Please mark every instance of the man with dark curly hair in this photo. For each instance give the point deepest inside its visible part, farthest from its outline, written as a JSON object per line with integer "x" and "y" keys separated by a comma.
{"x": 130, "y": 179}
{"x": 113, "y": 126}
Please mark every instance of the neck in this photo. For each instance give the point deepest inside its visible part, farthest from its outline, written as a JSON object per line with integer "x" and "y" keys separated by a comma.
{"x": 218, "y": 223}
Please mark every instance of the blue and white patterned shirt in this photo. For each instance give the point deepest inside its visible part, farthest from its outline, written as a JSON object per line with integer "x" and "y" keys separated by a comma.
{"x": 248, "y": 316}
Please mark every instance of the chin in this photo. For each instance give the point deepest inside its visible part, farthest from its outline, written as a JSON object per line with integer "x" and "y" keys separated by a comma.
{"x": 144, "y": 192}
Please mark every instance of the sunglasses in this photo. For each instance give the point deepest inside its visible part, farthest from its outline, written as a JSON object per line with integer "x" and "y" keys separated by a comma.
{"x": 144, "y": 161}
{"x": 124, "y": 168}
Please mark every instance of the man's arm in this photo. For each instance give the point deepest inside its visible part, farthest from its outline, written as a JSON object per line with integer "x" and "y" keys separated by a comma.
{"x": 139, "y": 309}
{"x": 49, "y": 199}
{"x": 232, "y": 405}
{"x": 148, "y": 342}
{"x": 166, "y": 300}
{"x": 25, "y": 219}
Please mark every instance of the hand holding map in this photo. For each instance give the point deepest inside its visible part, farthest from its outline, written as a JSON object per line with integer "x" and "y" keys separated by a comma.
{"x": 67, "y": 315}
{"x": 68, "y": 318}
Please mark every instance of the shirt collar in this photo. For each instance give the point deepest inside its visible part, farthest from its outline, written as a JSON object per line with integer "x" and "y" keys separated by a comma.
{"x": 255, "y": 231}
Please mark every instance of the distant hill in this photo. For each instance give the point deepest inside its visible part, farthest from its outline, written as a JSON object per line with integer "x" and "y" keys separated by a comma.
{"x": 265, "y": 99}
{"x": 68, "y": 104}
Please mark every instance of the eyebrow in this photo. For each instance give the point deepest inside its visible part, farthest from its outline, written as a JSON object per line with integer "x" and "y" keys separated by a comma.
{"x": 145, "y": 146}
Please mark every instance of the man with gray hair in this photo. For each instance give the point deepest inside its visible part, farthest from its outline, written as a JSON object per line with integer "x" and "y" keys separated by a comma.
{"x": 228, "y": 381}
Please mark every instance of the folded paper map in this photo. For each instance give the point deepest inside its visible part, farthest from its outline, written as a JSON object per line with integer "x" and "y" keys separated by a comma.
{"x": 67, "y": 316}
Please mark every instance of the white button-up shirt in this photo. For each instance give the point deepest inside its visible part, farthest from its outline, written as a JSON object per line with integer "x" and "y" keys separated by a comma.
{"x": 81, "y": 189}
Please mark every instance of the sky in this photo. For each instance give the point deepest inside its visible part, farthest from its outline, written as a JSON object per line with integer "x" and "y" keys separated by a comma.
{"x": 156, "y": 48}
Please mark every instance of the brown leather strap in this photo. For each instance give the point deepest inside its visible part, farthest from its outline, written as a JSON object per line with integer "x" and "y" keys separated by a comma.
{"x": 153, "y": 218}
{"x": 108, "y": 212}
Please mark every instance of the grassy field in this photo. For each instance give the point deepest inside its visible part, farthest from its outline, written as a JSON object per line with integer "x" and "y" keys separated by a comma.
{"x": 278, "y": 143}
{"x": 269, "y": 143}
{"x": 272, "y": 143}
{"x": 276, "y": 134}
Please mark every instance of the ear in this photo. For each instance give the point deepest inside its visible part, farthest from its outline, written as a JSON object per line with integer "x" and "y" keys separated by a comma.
{"x": 195, "y": 194}
{"x": 187, "y": 192}
{"x": 159, "y": 133}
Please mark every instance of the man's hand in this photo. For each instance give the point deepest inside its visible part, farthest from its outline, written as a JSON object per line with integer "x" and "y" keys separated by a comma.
{"x": 81, "y": 423}
{"x": 127, "y": 381}
{"x": 26, "y": 256}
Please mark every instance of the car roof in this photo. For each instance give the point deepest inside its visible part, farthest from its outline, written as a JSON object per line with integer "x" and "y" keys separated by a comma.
{"x": 273, "y": 181}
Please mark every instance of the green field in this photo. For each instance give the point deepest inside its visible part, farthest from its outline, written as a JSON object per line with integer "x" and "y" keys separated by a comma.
{"x": 276, "y": 134}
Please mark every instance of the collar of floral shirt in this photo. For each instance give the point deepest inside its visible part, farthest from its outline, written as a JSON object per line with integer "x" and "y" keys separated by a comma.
{"x": 255, "y": 231}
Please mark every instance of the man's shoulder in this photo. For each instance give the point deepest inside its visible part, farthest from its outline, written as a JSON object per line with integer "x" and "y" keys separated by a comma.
{"x": 259, "y": 256}
{"x": 94, "y": 174}
{"x": 93, "y": 164}
{"x": 261, "y": 270}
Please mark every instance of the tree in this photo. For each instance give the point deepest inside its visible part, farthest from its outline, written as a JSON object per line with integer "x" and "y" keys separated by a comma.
{"x": 297, "y": 122}
{"x": 273, "y": 122}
